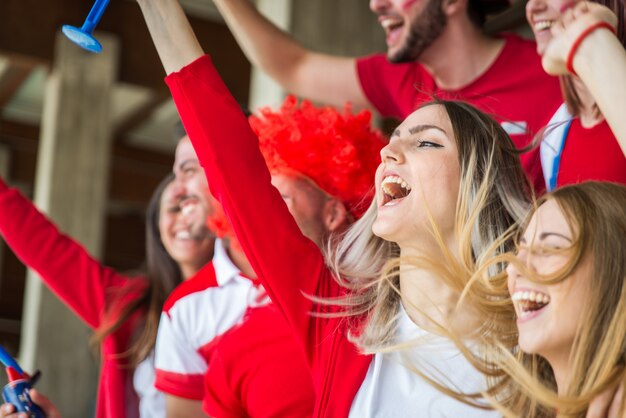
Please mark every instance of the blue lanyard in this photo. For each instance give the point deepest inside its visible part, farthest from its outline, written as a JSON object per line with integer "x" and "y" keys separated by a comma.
{"x": 557, "y": 159}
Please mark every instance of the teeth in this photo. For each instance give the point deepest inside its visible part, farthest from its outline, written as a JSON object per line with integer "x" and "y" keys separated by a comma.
{"x": 393, "y": 188}
{"x": 528, "y": 302}
{"x": 188, "y": 208}
{"x": 542, "y": 25}
{"x": 183, "y": 235}
{"x": 390, "y": 23}
{"x": 396, "y": 180}
{"x": 531, "y": 296}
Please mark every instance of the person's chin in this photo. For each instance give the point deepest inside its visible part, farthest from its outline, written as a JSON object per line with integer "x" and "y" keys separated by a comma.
{"x": 396, "y": 51}
{"x": 383, "y": 231}
{"x": 395, "y": 56}
{"x": 395, "y": 42}
{"x": 542, "y": 40}
{"x": 530, "y": 345}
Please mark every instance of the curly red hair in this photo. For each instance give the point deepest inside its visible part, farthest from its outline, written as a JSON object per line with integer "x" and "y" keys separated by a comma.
{"x": 220, "y": 225}
{"x": 338, "y": 151}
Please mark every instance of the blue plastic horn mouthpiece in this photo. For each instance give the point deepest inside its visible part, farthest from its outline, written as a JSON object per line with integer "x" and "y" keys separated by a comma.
{"x": 83, "y": 36}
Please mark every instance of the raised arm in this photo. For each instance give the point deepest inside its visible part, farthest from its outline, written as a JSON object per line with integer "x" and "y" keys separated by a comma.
{"x": 599, "y": 60}
{"x": 171, "y": 32}
{"x": 601, "y": 64}
{"x": 63, "y": 264}
{"x": 320, "y": 77}
{"x": 289, "y": 264}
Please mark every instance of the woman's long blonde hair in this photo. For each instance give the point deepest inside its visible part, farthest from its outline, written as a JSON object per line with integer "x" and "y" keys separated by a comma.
{"x": 596, "y": 213}
{"x": 493, "y": 197}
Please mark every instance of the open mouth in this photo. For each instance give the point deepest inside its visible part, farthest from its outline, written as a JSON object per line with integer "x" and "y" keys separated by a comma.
{"x": 392, "y": 27}
{"x": 530, "y": 302}
{"x": 542, "y": 25}
{"x": 188, "y": 205}
{"x": 183, "y": 235}
{"x": 394, "y": 189}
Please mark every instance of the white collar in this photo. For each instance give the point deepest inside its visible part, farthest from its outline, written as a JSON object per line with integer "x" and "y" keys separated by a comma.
{"x": 225, "y": 269}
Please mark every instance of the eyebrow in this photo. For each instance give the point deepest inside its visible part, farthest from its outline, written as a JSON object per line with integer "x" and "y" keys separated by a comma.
{"x": 185, "y": 162}
{"x": 419, "y": 128}
{"x": 545, "y": 235}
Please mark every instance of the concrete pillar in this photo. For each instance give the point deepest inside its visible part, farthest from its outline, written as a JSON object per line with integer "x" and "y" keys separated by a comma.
{"x": 345, "y": 27}
{"x": 263, "y": 90}
{"x": 71, "y": 187}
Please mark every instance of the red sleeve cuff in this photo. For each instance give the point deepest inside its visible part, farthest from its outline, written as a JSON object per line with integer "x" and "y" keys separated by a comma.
{"x": 3, "y": 186}
{"x": 188, "y": 386}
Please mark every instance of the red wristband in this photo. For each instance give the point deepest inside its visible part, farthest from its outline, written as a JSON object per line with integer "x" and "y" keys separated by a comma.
{"x": 569, "y": 64}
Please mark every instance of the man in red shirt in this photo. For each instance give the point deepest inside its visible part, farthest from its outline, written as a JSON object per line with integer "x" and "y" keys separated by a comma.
{"x": 205, "y": 306}
{"x": 434, "y": 47}
{"x": 322, "y": 163}
{"x": 246, "y": 348}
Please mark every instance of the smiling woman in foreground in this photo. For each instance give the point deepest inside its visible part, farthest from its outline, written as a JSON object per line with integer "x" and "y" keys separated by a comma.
{"x": 566, "y": 300}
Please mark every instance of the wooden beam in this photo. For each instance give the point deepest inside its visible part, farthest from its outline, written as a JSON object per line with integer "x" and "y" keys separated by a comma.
{"x": 17, "y": 131}
{"x": 11, "y": 80}
{"x": 17, "y": 134}
{"x": 29, "y": 27}
{"x": 134, "y": 171}
{"x": 5, "y": 66}
{"x": 24, "y": 60}
{"x": 140, "y": 115}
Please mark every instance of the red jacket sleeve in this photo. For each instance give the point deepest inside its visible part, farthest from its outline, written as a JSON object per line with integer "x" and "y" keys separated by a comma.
{"x": 288, "y": 264}
{"x": 72, "y": 274}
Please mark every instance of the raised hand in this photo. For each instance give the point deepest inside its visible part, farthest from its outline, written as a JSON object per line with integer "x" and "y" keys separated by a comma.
{"x": 607, "y": 404}
{"x": 8, "y": 411}
{"x": 576, "y": 26}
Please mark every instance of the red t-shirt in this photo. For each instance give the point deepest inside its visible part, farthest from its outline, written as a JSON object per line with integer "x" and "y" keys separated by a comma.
{"x": 515, "y": 90}
{"x": 193, "y": 317}
{"x": 258, "y": 370}
{"x": 267, "y": 233}
{"x": 591, "y": 154}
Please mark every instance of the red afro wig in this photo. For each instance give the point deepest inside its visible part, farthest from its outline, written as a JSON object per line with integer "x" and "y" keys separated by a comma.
{"x": 219, "y": 224}
{"x": 338, "y": 151}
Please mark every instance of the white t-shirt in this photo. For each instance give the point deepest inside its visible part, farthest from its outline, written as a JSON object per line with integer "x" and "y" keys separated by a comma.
{"x": 188, "y": 329}
{"x": 151, "y": 401}
{"x": 391, "y": 390}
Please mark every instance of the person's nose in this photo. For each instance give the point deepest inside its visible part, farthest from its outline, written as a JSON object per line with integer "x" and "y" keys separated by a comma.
{"x": 392, "y": 152}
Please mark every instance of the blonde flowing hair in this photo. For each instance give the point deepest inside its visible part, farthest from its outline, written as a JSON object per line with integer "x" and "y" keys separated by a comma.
{"x": 493, "y": 198}
{"x": 524, "y": 384}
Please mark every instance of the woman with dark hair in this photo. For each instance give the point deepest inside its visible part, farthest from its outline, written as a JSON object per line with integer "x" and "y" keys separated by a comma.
{"x": 583, "y": 43}
{"x": 124, "y": 311}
